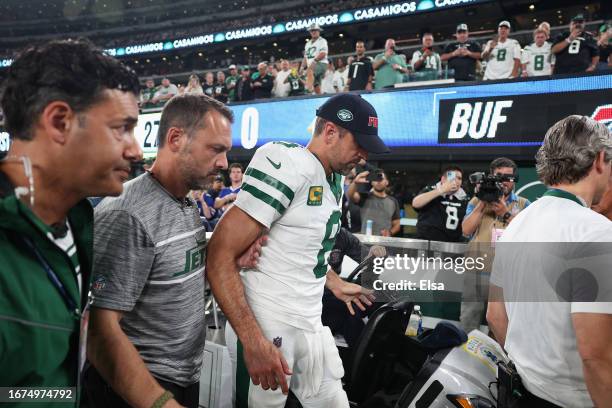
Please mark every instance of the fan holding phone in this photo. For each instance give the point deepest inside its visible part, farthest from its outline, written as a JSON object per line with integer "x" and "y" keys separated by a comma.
{"x": 369, "y": 191}
{"x": 441, "y": 208}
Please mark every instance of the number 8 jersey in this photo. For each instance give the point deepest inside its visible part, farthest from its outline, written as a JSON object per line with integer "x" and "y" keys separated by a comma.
{"x": 286, "y": 190}
{"x": 538, "y": 60}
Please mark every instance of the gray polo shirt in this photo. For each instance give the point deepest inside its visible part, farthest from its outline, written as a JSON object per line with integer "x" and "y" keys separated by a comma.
{"x": 149, "y": 252}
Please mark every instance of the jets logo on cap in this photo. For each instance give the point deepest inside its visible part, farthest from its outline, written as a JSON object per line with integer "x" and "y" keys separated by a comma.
{"x": 345, "y": 115}
{"x": 373, "y": 121}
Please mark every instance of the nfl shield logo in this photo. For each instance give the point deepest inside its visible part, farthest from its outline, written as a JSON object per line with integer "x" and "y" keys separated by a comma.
{"x": 277, "y": 341}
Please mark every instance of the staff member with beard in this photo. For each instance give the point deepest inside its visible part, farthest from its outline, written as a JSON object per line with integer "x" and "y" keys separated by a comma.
{"x": 147, "y": 324}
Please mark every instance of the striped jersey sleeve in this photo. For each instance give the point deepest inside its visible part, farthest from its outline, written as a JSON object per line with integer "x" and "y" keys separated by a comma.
{"x": 270, "y": 182}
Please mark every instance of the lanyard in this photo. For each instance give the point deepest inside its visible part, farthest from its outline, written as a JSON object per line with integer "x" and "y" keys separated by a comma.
{"x": 72, "y": 306}
{"x": 555, "y": 192}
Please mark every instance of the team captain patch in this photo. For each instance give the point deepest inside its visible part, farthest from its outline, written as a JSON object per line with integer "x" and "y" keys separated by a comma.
{"x": 315, "y": 195}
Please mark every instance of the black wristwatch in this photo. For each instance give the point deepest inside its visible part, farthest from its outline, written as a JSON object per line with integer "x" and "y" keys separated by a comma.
{"x": 506, "y": 216}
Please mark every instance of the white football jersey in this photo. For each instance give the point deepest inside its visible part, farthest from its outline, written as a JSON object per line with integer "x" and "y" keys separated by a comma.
{"x": 501, "y": 61}
{"x": 313, "y": 48}
{"x": 538, "y": 60}
{"x": 285, "y": 189}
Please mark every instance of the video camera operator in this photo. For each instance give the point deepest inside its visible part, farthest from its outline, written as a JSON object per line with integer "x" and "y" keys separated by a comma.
{"x": 369, "y": 191}
{"x": 488, "y": 214}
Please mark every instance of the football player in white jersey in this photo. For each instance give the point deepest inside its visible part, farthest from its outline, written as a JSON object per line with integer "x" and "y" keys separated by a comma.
{"x": 503, "y": 55}
{"x": 275, "y": 336}
{"x": 537, "y": 59}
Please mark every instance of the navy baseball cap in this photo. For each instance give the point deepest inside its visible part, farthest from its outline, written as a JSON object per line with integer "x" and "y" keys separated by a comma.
{"x": 355, "y": 114}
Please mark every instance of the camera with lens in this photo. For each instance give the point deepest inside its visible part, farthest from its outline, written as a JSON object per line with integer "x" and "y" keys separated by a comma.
{"x": 490, "y": 187}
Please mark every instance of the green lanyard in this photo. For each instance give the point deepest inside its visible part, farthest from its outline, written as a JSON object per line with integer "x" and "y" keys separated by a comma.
{"x": 555, "y": 192}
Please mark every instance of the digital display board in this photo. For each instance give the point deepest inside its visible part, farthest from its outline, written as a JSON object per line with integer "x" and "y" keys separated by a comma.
{"x": 470, "y": 117}
{"x": 514, "y": 113}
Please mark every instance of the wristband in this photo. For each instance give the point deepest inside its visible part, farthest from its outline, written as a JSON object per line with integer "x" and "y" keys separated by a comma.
{"x": 161, "y": 401}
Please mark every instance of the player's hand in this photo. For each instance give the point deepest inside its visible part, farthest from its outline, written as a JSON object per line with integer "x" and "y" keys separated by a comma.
{"x": 351, "y": 293}
{"x": 361, "y": 178}
{"x": 591, "y": 68}
{"x": 266, "y": 365}
{"x": 231, "y": 197}
{"x": 464, "y": 51}
{"x": 499, "y": 208}
{"x": 250, "y": 258}
{"x": 388, "y": 52}
{"x": 396, "y": 67}
{"x": 456, "y": 52}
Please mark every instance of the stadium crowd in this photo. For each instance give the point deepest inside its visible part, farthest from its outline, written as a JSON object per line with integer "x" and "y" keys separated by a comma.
{"x": 573, "y": 50}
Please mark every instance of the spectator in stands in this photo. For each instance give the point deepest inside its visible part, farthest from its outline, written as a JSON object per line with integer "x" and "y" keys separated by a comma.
{"x": 546, "y": 28}
{"x": 537, "y": 59}
{"x": 281, "y": 85}
{"x": 484, "y": 224}
{"x": 360, "y": 72}
{"x": 390, "y": 67}
{"x": 327, "y": 83}
{"x": 147, "y": 94}
{"x": 377, "y": 206}
{"x": 228, "y": 194}
{"x": 166, "y": 91}
{"x": 441, "y": 208}
{"x": 426, "y": 59}
{"x": 603, "y": 42}
{"x": 576, "y": 50}
{"x": 220, "y": 88}
{"x": 315, "y": 58}
{"x": 209, "y": 198}
{"x": 244, "y": 92}
{"x": 262, "y": 82}
{"x": 209, "y": 85}
{"x": 194, "y": 86}
{"x": 340, "y": 76}
{"x": 272, "y": 70}
{"x": 503, "y": 55}
{"x": 462, "y": 55}
{"x": 230, "y": 83}
{"x": 297, "y": 83}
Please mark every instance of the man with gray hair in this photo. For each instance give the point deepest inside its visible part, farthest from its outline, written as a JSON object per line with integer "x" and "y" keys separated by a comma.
{"x": 262, "y": 82}
{"x": 147, "y": 324}
{"x": 561, "y": 349}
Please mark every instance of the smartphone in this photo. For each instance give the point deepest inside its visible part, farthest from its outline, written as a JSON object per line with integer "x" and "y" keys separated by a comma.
{"x": 450, "y": 176}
